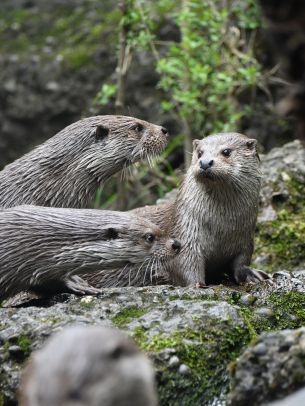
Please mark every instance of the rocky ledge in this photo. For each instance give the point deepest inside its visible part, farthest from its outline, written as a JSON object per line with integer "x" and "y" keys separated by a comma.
{"x": 223, "y": 345}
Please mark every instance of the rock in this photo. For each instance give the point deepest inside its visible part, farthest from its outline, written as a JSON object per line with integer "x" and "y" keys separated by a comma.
{"x": 280, "y": 240}
{"x": 297, "y": 399}
{"x": 282, "y": 275}
{"x": 192, "y": 335}
{"x": 267, "y": 214}
{"x": 277, "y": 370}
{"x": 173, "y": 361}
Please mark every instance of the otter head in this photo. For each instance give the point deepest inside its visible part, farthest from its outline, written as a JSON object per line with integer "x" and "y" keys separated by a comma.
{"x": 142, "y": 241}
{"x": 88, "y": 365}
{"x": 158, "y": 245}
{"x": 114, "y": 142}
{"x": 226, "y": 158}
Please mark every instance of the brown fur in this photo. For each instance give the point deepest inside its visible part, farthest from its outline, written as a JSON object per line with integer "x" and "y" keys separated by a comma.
{"x": 214, "y": 214}
{"x": 44, "y": 250}
{"x": 68, "y": 169}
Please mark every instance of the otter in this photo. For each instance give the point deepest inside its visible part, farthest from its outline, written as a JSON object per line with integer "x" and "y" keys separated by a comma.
{"x": 68, "y": 169}
{"x": 214, "y": 213}
{"x": 89, "y": 366}
{"x": 44, "y": 250}
{"x": 214, "y": 217}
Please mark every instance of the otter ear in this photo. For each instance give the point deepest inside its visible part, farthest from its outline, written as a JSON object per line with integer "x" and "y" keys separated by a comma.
{"x": 252, "y": 146}
{"x": 100, "y": 132}
{"x": 111, "y": 234}
{"x": 195, "y": 144}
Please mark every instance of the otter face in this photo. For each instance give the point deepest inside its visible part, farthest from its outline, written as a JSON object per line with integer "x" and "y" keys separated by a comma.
{"x": 84, "y": 364}
{"x": 150, "y": 242}
{"x": 159, "y": 245}
{"x": 224, "y": 157}
{"x": 150, "y": 140}
{"x": 115, "y": 142}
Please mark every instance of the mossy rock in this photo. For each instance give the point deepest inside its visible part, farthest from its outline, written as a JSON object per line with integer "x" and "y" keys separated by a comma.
{"x": 280, "y": 239}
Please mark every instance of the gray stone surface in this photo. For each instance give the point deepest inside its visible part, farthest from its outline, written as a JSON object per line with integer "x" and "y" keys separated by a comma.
{"x": 272, "y": 367}
{"x": 297, "y": 399}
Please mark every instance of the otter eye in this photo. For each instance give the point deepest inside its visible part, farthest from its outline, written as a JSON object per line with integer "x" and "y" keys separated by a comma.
{"x": 117, "y": 352}
{"x": 111, "y": 234}
{"x": 138, "y": 128}
{"x": 199, "y": 154}
{"x": 149, "y": 237}
{"x": 226, "y": 152}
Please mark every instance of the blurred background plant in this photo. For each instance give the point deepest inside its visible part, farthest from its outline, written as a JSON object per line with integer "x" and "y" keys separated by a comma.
{"x": 200, "y": 76}
{"x": 194, "y": 66}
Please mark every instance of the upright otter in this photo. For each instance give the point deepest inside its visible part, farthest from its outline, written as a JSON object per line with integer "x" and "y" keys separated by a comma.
{"x": 88, "y": 366}
{"x": 67, "y": 170}
{"x": 45, "y": 249}
{"x": 214, "y": 213}
{"x": 214, "y": 217}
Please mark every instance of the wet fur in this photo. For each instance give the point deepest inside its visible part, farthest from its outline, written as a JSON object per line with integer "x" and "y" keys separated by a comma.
{"x": 214, "y": 215}
{"x": 44, "y": 250}
{"x": 67, "y": 170}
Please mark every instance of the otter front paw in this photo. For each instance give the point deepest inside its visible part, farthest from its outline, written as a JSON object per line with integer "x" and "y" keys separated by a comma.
{"x": 246, "y": 275}
{"x": 79, "y": 286}
{"x": 200, "y": 285}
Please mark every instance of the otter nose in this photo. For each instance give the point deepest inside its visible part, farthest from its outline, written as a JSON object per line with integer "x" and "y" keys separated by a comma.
{"x": 176, "y": 246}
{"x": 164, "y": 130}
{"x": 206, "y": 164}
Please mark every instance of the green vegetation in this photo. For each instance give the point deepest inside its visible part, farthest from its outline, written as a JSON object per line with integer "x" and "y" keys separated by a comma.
{"x": 282, "y": 240}
{"x": 25, "y": 344}
{"x": 203, "y": 74}
{"x": 127, "y": 315}
{"x": 206, "y": 353}
{"x": 200, "y": 76}
{"x": 63, "y": 30}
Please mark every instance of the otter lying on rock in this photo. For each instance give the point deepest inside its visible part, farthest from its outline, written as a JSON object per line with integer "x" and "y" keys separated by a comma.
{"x": 214, "y": 213}
{"x": 88, "y": 366}
{"x": 67, "y": 170}
{"x": 45, "y": 249}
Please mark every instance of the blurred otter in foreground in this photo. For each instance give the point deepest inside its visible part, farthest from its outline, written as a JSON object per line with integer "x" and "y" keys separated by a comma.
{"x": 88, "y": 366}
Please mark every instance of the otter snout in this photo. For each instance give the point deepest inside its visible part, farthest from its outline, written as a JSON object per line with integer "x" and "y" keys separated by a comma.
{"x": 206, "y": 164}
{"x": 176, "y": 246}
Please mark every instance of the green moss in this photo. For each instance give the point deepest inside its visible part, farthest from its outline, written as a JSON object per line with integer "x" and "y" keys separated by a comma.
{"x": 87, "y": 304}
{"x": 206, "y": 353}
{"x": 127, "y": 315}
{"x": 2, "y": 399}
{"x": 282, "y": 240}
{"x": 289, "y": 309}
{"x": 25, "y": 344}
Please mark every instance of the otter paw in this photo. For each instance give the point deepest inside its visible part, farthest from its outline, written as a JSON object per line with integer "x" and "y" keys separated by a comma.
{"x": 247, "y": 275}
{"x": 79, "y": 286}
{"x": 201, "y": 285}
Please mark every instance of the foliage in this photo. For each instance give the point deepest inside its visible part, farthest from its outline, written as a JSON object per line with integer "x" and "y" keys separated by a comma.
{"x": 64, "y": 32}
{"x": 105, "y": 94}
{"x": 203, "y": 74}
